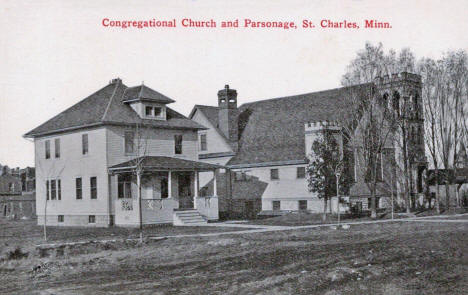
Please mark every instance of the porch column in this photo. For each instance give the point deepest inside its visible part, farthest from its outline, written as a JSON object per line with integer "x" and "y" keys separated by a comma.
{"x": 169, "y": 184}
{"x": 196, "y": 188}
{"x": 215, "y": 187}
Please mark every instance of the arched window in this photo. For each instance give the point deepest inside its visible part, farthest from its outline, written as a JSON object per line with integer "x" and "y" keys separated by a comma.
{"x": 396, "y": 102}
{"x": 385, "y": 99}
{"x": 416, "y": 105}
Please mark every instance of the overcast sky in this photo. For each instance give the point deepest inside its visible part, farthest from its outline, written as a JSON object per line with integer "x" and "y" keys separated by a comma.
{"x": 55, "y": 53}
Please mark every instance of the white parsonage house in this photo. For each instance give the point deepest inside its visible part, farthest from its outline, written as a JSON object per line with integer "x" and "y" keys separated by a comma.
{"x": 90, "y": 157}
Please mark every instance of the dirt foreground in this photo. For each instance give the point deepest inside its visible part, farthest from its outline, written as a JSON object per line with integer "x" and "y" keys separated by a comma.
{"x": 387, "y": 258}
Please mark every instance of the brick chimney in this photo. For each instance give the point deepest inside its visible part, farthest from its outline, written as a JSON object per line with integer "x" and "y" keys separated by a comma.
{"x": 228, "y": 116}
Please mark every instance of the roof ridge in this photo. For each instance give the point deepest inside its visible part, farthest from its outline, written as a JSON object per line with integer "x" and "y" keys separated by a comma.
{"x": 110, "y": 101}
{"x": 303, "y": 94}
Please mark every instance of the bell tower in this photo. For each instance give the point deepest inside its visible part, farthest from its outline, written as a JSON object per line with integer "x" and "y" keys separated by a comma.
{"x": 401, "y": 94}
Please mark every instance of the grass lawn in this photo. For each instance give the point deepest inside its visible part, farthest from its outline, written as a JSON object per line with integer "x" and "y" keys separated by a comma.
{"x": 387, "y": 258}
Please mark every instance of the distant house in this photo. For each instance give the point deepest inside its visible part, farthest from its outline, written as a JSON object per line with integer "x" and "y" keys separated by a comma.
{"x": 271, "y": 139}
{"x": 95, "y": 160}
{"x": 14, "y": 203}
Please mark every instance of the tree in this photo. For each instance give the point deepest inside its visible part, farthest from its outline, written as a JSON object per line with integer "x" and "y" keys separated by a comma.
{"x": 432, "y": 84}
{"x": 139, "y": 145}
{"x": 325, "y": 160}
{"x": 445, "y": 96}
{"x": 368, "y": 121}
{"x": 48, "y": 171}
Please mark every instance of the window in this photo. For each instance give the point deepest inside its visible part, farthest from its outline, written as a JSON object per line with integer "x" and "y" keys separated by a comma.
{"x": 47, "y": 149}
{"x": 396, "y": 103}
{"x": 203, "y": 142}
{"x": 276, "y": 205}
{"x": 93, "y": 187}
{"x": 302, "y": 204}
{"x": 79, "y": 189}
{"x": 59, "y": 189}
{"x": 124, "y": 187}
{"x": 92, "y": 219}
{"x": 53, "y": 190}
{"x": 10, "y": 186}
{"x": 129, "y": 146}
{"x": 57, "y": 147}
{"x": 84, "y": 144}
{"x": 178, "y": 144}
{"x": 300, "y": 172}
{"x": 60, "y": 218}
{"x": 157, "y": 112}
{"x": 274, "y": 174}
{"x": 47, "y": 189}
{"x": 148, "y": 111}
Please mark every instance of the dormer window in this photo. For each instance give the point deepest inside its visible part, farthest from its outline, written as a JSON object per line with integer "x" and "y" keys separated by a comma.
{"x": 146, "y": 102}
{"x": 149, "y": 111}
{"x": 154, "y": 112}
{"x": 157, "y": 112}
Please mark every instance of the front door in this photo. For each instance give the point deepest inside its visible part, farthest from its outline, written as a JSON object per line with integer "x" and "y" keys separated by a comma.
{"x": 249, "y": 210}
{"x": 185, "y": 191}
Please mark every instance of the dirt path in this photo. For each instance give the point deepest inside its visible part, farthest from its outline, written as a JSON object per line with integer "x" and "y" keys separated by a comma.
{"x": 253, "y": 228}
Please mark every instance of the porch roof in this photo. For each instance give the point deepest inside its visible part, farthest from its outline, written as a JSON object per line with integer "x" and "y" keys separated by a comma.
{"x": 162, "y": 163}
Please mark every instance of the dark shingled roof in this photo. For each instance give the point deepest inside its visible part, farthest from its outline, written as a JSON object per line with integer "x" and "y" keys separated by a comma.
{"x": 106, "y": 106}
{"x": 146, "y": 94}
{"x": 164, "y": 163}
{"x": 273, "y": 130}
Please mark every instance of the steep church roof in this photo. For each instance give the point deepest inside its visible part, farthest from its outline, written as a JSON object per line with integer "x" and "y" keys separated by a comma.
{"x": 106, "y": 106}
{"x": 272, "y": 130}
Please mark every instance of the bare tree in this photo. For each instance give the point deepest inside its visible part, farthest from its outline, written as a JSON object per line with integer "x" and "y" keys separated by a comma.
{"x": 368, "y": 120}
{"x": 53, "y": 171}
{"x": 139, "y": 145}
{"x": 431, "y": 75}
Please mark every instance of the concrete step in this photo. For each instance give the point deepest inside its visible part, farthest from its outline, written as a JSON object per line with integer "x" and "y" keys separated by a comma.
{"x": 190, "y": 217}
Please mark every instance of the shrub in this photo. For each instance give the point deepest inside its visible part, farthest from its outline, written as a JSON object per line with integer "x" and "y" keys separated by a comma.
{"x": 16, "y": 254}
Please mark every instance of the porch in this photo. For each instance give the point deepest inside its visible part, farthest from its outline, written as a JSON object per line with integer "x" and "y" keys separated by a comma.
{"x": 161, "y": 189}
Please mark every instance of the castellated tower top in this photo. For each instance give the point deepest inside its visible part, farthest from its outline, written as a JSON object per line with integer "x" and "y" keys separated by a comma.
{"x": 398, "y": 77}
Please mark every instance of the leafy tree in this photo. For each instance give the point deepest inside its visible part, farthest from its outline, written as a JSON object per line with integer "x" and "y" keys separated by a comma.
{"x": 325, "y": 160}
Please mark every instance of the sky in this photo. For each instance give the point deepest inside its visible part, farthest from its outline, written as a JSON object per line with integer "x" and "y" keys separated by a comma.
{"x": 55, "y": 53}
